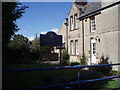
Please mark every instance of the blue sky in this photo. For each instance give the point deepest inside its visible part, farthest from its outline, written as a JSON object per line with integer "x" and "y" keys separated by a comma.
{"x": 42, "y": 17}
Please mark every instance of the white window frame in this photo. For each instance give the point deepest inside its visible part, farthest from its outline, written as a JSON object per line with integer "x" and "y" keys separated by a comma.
{"x": 76, "y": 47}
{"x": 71, "y": 23}
{"x": 92, "y": 24}
{"x": 72, "y": 47}
{"x": 76, "y": 21}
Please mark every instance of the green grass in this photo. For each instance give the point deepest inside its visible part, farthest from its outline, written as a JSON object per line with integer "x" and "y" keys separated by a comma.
{"x": 29, "y": 79}
{"x": 17, "y": 66}
{"x": 36, "y": 78}
{"x": 112, "y": 84}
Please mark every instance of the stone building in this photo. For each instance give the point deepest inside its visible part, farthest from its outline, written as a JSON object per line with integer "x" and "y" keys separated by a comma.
{"x": 92, "y": 29}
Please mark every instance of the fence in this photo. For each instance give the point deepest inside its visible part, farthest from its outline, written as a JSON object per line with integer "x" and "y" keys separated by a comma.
{"x": 78, "y": 82}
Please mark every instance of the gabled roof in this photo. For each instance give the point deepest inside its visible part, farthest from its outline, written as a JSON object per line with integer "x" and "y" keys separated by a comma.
{"x": 80, "y": 4}
{"x": 88, "y": 8}
{"x": 94, "y": 6}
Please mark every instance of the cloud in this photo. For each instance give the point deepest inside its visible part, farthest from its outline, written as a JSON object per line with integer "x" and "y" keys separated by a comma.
{"x": 55, "y": 30}
{"x": 43, "y": 32}
{"x": 31, "y": 38}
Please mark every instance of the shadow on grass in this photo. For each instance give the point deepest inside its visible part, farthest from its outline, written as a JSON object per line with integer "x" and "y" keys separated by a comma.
{"x": 41, "y": 78}
{"x": 96, "y": 85}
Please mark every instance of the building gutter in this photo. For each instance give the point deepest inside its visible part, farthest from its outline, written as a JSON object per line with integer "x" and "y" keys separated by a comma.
{"x": 97, "y": 11}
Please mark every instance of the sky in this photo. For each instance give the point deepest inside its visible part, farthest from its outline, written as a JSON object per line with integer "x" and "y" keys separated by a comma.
{"x": 42, "y": 17}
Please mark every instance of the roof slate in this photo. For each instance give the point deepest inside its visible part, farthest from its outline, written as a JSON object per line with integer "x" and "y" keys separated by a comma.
{"x": 89, "y": 8}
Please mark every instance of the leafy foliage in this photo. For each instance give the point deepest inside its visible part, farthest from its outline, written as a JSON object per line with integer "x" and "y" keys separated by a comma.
{"x": 35, "y": 49}
{"x": 115, "y": 73}
{"x": 35, "y": 44}
{"x": 18, "y": 49}
{"x": 11, "y": 12}
{"x": 74, "y": 63}
{"x": 40, "y": 78}
{"x": 65, "y": 57}
{"x": 83, "y": 59}
{"x": 103, "y": 70}
{"x": 19, "y": 41}
{"x": 21, "y": 50}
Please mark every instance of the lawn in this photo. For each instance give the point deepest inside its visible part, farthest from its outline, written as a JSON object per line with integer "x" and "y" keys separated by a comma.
{"x": 36, "y": 78}
{"x": 29, "y": 79}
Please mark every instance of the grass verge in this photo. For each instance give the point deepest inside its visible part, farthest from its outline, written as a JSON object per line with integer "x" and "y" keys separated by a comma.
{"x": 40, "y": 78}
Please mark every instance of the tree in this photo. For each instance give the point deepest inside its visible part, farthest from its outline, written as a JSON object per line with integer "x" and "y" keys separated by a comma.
{"x": 38, "y": 53}
{"x": 35, "y": 49}
{"x": 19, "y": 50}
{"x": 35, "y": 44}
{"x": 11, "y": 12}
{"x": 19, "y": 41}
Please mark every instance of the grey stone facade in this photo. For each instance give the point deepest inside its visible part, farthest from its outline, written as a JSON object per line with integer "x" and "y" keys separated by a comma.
{"x": 97, "y": 32}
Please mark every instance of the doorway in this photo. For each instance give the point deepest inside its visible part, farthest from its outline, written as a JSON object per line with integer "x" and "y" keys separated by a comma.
{"x": 93, "y": 51}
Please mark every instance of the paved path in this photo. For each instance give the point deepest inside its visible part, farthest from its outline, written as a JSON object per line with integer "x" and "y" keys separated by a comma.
{"x": 51, "y": 62}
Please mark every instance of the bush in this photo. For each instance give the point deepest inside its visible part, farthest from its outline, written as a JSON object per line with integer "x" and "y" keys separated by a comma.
{"x": 89, "y": 74}
{"x": 115, "y": 73}
{"x": 65, "y": 57}
{"x": 83, "y": 59}
{"x": 103, "y": 70}
{"x": 74, "y": 63}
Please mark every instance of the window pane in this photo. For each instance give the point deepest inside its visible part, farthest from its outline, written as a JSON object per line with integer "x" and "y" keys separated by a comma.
{"x": 94, "y": 52}
{"x": 76, "y": 21}
{"x": 71, "y": 24}
{"x": 72, "y": 47}
{"x": 94, "y": 48}
{"x": 93, "y": 27}
{"x": 76, "y": 47}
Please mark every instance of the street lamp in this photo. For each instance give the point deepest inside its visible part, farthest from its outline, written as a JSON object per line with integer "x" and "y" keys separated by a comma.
{"x": 66, "y": 24}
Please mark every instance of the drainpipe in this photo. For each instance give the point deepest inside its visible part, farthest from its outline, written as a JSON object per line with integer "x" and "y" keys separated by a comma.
{"x": 67, "y": 36}
{"x": 66, "y": 24}
{"x": 80, "y": 12}
{"x": 83, "y": 35}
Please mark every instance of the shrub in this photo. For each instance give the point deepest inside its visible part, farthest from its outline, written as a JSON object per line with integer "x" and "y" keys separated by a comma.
{"x": 89, "y": 74}
{"x": 83, "y": 59}
{"x": 74, "y": 63}
{"x": 65, "y": 57}
{"x": 115, "y": 73}
{"x": 103, "y": 70}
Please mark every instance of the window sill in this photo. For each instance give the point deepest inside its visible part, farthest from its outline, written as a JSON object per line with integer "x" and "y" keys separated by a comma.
{"x": 92, "y": 31}
{"x": 71, "y": 30}
{"x": 74, "y": 55}
{"x": 74, "y": 29}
